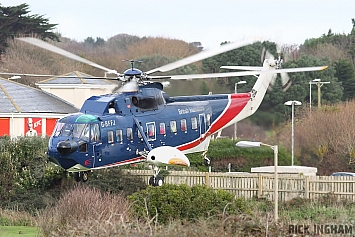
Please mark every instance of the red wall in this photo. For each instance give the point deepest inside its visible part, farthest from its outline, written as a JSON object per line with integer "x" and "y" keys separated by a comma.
{"x": 50, "y": 125}
{"x": 4, "y": 126}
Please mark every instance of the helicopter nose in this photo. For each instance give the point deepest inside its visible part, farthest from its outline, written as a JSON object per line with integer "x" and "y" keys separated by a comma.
{"x": 67, "y": 147}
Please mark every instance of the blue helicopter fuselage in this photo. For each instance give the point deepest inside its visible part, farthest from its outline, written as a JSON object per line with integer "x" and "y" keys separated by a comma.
{"x": 108, "y": 129}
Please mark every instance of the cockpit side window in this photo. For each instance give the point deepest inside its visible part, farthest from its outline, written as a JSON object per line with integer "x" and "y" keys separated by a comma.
{"x": 78, "y": 129}
{"x": 58, "y": 129}
{"x": 86, "y": 133}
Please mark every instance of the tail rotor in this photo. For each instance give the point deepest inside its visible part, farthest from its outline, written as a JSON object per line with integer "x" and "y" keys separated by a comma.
{"x": 285, "y": 79}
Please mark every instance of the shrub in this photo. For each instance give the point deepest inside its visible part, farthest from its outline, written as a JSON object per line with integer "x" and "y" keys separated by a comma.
{"x": 172, "y": 202}
{"x": 113, "y": 180}
{"x": 85, "y": 211}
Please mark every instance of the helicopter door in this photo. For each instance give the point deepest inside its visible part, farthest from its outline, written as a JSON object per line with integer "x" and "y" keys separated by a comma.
{"x": 95, "y": 141}
{"x": 202, "y": 122}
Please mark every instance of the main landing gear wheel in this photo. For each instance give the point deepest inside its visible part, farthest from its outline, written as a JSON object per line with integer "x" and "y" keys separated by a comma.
{"x": 156, "y": 181}
{"x": 81, "y": 176}
{"x": 84, "y": 176}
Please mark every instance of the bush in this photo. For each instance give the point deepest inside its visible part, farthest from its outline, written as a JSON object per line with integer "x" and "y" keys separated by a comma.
{"x": 173, "y": 202}
{"x": 113, "y": 180}
{"x": 85, "y": 211}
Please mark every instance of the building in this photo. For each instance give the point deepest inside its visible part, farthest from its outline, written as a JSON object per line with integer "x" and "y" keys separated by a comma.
{"x": 75, "y": 87}
{"x": 27, "y": 110}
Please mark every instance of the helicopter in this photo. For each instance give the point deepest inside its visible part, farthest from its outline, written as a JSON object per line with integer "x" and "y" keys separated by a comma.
{"x": 142, "y": 123}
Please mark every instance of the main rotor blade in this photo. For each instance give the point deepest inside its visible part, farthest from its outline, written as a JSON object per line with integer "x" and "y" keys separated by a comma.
{"x": 55, "y": 49}
{"x": 44, "y": 75}
{"x": 200, "y": 56}
{"x": 242, "y": 67}
{"x": 247, "y": 73}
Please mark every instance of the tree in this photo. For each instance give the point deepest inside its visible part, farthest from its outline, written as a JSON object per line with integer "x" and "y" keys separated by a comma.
{"x": 204, "y": 90}
{"x": 16, "y": 21}
{"x": 345, "y": 73}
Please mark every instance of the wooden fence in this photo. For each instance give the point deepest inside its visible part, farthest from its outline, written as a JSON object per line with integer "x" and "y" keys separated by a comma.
{"x": 262, "y": 185}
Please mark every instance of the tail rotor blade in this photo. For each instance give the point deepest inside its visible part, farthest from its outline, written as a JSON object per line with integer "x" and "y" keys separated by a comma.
{"x": 272, "y": 82}
{"x": 286, "y": 81}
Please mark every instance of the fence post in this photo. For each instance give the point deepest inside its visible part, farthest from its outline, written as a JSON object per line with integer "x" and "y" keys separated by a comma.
{"x": 207, "y": 179}
{"x": 260, "y": 187}
{"x": 306, "y": 187}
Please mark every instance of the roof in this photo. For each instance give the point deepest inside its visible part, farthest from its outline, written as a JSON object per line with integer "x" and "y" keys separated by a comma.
{"x": 77, "y": 78}
{"x": 19, "y": 98}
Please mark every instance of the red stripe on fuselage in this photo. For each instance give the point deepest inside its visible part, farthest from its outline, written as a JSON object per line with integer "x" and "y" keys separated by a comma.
{"x": 133, "y": 160}
{"x": 236, "y": 104}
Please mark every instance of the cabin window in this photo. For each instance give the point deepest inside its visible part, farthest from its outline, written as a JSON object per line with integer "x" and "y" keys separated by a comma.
{"x": 208, "y": 122}
{"x": 95, "y": 132}
{"x": 183, "y": 125}
{"x": 119, "y": 135}
{"x": 194, "y": 123}
{"x": 173, "y": 126}
{"x": 129, "y": 134}
{"x": 139, "y": 133}
{"x": 151, "y": 130}
{"x": 110, "y": 137}
{"x": 162, "y": 130}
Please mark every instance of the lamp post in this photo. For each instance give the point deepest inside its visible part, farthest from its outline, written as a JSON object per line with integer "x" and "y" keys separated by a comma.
{"x": 235, "y": 92}
{"x": 14, "y": 78}
{"x": 319, "y": 83}
{"x": 246, "y": 144}
{"x": 293, "y": 103}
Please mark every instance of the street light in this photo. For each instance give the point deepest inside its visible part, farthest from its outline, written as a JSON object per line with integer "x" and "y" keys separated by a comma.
{"x": 246, "y": 144}
{"x": 292, "y": 103}
{"x": 235, "y": 92}
{"x": 319, "y": 84}
{"x": 14, "y": 77}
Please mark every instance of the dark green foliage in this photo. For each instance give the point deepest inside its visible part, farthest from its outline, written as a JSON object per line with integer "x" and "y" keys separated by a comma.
{"x": 89, "y": 41}
{"x": 26, "y": 174}
{"x": 204, "y": 89}
{"x": 196, "y": 161}
{"x": 16, "y": 21}
{"x": 224, "y": 151}
{"x": 22, "y": 163}
{"x": 345, "y": 73}
{"x": 172, "y": 202}
{"x": 114, "y": 180}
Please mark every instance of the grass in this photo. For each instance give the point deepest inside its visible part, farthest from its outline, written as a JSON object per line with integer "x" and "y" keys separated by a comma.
{"x": 23, "y": 231}
{"x": 73, "y": 215}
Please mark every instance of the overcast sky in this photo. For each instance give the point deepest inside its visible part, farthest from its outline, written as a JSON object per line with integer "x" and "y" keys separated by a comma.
{"x": 207, "y": 21}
